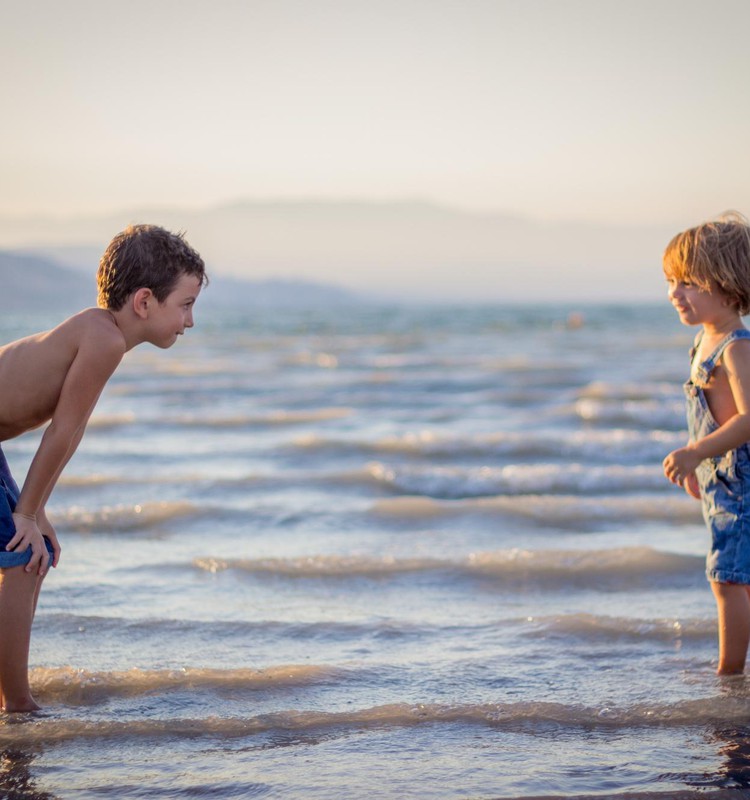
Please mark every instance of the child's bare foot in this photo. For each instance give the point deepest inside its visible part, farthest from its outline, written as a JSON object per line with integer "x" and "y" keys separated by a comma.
{"x": 730, "y": 672}
{"x": 28, "y": 704}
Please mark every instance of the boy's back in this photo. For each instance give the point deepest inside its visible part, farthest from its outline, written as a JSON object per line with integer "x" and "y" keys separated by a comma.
{"x": 34, "y": 370}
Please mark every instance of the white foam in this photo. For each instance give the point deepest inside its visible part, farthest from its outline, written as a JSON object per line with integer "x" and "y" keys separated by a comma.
{"x": 456, "y": 482}
{"x": 125, "y": 517}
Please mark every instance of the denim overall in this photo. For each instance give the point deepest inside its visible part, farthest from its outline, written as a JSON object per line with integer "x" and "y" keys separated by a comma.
{"x": 724, "y": 480}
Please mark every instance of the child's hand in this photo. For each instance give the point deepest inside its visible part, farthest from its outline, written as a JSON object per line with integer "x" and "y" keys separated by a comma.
{"x": 46, "y": 529}
{"x": 691, "y": 486}
{"x": 29, "y": 535}
{"x": 680, "y": 464}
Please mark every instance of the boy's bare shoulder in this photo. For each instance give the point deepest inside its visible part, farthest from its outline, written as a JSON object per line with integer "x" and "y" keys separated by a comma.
{"x": 94, "y": 327}
{"x": 736, "y": 355}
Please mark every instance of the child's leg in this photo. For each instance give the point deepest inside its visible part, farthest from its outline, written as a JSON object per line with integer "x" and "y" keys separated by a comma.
{"x": 19, "y": 591}
{"x": 733, "y": 606}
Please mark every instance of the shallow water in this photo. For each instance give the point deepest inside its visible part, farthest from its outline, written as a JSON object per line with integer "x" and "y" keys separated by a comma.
{"x": 387, "y": 553}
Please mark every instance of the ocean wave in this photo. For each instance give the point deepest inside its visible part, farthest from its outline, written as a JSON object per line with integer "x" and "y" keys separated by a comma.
{"x": 81, "y": 687}
{"x": 592, "y": 627}
{"x": 272, "y": 418}
{"x": 564, "y": 511}
{"x": 324, "y": 566}
{"x": 440, "y": 482}
{"x": 548, "y": 568}
{"x": 617, "y": 445}
{"x": 136, "y": 629}
{"x": 459, "y": 482}
{"x": 97, "y": 480}
{"x": 582, "y": 626}
{"x": 110, "y": 421}
{"x": 719, "y": 710}
{"x": 276, "y": 418}
{"x": 604, "y": 390}
{"x": 124, "y": 518}
{"x": 93, "y": 480}
{"x": 642, "y": 413}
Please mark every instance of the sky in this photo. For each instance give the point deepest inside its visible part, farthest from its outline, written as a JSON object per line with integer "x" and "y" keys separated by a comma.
{"x": 632, "y": 113}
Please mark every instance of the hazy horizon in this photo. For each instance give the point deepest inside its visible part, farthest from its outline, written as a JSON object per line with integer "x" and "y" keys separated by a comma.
{"x": 574, "y": 118}
{"x": 389, "y": 249}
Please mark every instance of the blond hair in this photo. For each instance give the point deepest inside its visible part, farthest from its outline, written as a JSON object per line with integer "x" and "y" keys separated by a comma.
{"x": 714, "y": 255}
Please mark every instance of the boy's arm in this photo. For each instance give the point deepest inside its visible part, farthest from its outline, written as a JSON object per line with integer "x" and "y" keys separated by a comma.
{"x": 93, "y": 365}
{"x": 44, "y": 525}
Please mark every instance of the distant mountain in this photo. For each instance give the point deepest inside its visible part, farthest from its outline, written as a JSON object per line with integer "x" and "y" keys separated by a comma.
{"x": 231, "y": 292}
{"x": 34, "y": 283}
{"x": 405, "y": 250}
{"x": 82, "y": 258}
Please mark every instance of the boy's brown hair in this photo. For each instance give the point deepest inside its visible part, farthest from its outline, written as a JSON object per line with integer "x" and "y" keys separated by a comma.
{"x": 714, "y": 254}
{"x": 145, "y": 256}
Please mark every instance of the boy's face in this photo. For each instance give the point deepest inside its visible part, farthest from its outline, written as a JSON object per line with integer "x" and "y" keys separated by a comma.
{"x": 696, "y": 305}
{"x": 171, "y": 317}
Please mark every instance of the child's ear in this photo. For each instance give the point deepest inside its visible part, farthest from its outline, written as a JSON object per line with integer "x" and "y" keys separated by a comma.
{"x": 142, "y": 300}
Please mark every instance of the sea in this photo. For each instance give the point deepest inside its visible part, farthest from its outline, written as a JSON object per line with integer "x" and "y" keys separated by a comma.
{"x": 381, "y": 551}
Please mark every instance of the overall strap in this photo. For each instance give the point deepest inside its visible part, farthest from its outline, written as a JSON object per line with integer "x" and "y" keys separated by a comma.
{"x": 707, "y": 367}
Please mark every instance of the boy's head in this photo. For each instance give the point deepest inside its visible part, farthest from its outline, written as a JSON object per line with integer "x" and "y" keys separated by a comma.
{"x": 145, "y": 256}
{"x": 714, "y": 255}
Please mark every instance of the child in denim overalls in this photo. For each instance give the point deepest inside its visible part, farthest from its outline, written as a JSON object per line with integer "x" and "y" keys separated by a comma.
{"x": 708, "y": 272}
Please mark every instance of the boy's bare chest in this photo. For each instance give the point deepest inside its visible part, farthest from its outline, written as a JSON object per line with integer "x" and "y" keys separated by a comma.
{"x": 718, "y": 394}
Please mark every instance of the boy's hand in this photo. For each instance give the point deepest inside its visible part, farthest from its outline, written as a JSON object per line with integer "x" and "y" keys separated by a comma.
{"x": 679, "y": 464}
{"x": 46, "y": 529}
{"x": 29, "y": 535}
{"x": 691, "y": 486}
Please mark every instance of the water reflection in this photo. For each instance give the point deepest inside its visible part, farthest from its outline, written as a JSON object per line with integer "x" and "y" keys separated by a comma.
{"x": 16, "y": 779}
{"x": 734, "y": 749}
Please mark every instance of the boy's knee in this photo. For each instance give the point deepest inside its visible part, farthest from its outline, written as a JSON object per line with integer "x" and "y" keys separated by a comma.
{"x": 18, "y": 582}
{"x": 729, "y": 591}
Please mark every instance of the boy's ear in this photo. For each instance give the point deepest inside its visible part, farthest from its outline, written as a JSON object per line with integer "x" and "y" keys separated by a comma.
{"x": 142, "y": 300}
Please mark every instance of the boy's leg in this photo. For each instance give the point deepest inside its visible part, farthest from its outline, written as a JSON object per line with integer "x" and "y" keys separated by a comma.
{"x": 733, "y": 607}
{"x": 19, "y": 591}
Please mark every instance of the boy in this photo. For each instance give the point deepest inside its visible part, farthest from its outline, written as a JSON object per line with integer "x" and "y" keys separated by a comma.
{"x": 708, "y": 274}
{"x": 148, "y": 281}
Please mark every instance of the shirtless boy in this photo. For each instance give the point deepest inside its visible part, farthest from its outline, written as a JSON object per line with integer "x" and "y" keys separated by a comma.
{"x": 148, "y": 281}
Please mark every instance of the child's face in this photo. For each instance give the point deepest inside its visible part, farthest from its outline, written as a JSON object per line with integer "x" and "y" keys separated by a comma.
{"x": 171, "y": 317}
{"x": 697, "y": 305}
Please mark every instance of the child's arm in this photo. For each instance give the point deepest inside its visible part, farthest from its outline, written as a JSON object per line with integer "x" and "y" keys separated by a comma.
{"x": 96, "y": 360}
{"x": 44, "y": 525}
{"x": 733, "y": 433}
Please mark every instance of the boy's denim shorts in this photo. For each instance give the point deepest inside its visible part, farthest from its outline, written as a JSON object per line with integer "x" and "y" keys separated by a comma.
{"x": 8, "y": 498}
{"x": 725, "y": 490}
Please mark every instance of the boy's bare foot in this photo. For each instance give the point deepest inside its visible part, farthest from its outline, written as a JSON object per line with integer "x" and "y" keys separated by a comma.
{"x": 730, "y": 672}
{"x": 24, "y": 706}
